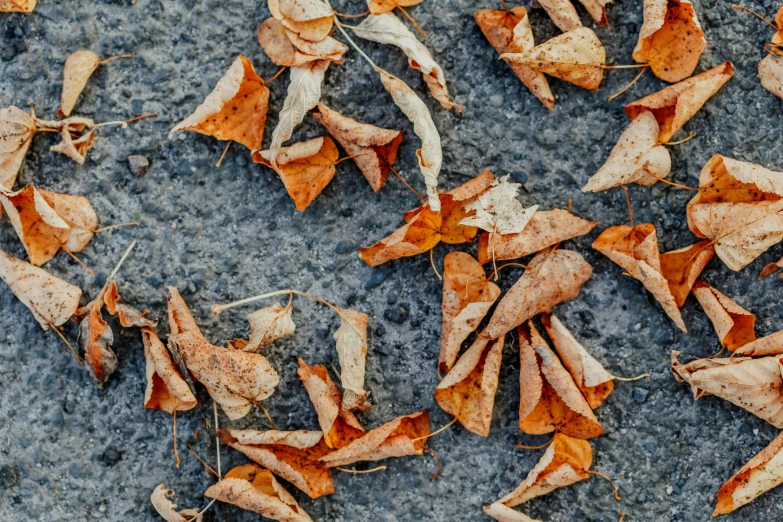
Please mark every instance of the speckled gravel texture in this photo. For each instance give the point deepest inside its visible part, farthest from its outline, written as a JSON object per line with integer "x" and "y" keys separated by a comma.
{"x": 70, "y": 451}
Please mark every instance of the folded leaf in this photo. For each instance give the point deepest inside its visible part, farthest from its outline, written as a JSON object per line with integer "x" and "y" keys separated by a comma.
{"x": 351, "y": 341}
{"x": 95, "y": 340}
{"x": 73, "y": 144}
{"x": 286, "y": 49}
{"x": 682, "y": 268}
{"x": 168, "y": 510}
{"x": 562, "y": 13}
{"x": 384, "y": 6}
{"x": 17, "y": 6}
{"x": 771, "y": 268}
{"x": 676, "y": 104}
{"x": 733, "y": 324}
{"x": 17, "y": 129}
{"x": 127, "y": 315}
{"x": 684, "y": 372}
{"x": 503, "y": 513}
{"x": 166, "y": 389}
{"x": 310, "y": 19}
{"x": 772, "y": 344}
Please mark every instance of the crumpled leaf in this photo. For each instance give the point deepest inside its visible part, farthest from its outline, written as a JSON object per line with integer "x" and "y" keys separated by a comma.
{"x": 51, "y": 300}
{"x": 682, "y": 268}
{"x": 636, "y": 151}
{"x": 503, "y": 513}
{"x": 565, "y": 462}
{"x": 676, "y": 104}
{"x": 552, "y": 277}
{"x": 636, "y": 251}
{"x": 545, "y": 229}
{"x": 550, "y": 400}
{"x": 286, "y": 49}
{"x": 340, "y": 427}
{"x": 126, "y": 314}
{"x": 510, "y": 32}
{"x": 233, "y": 378}
{"x": 268, "y": 325}
{"x": 166, "y": 388}
{"x": 733, "y": 324}
{"x": 396, "y": 438}
{"x": 589, "y": 375}
{"x": 351, "y": 341}
{"x": 16, "y": 134}
{"x": 562, "y": 13}
{"x": 305, "y": 168}
{"x": 670, "y": 40}
{"x": 425, "y": 228}
{"x": 17, "y": 6}
{"x": 303, "y": 94}
{"x": 499, "y": 210}
{"x": 46, "y": 221}
{"x": 388, "y": 29}
{"x": 739, "y": 207}
{"x": 771, "y": 344}
{"x": 234, "y": 110}
{"x": 255, "y": 489}
{"x": 374, "y": 148}
{"x": 468, "y": 391}
{"x": 577, "y": 57}
{"x": 384, "y": 6}
{"x": 467, "y": 297}
{"x": 430, "y": 155}
{"x": 292, "y": 455}
{"x": 762, "y": 473}
{"x": 77, "y": 135}
{"x": 95, "y": 340}
{"x": 168, "y": 510}
{"x": 311, "y": 20}
{"x": 684, "y": 372}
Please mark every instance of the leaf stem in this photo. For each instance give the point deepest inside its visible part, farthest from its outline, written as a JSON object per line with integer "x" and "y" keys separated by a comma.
{"x": 436, "y": 431}
{"x": 624, "y": 89}
{"x": 432, "y": 263}
{"x": 118, "y": 225}
{"x": 273, "y": 78}
{"x": 360, "y": 472}
{"x": 630, "y": 210}
{"x": 540, "y": 446}
{"x": 409, "y": 17}
{"x": 78, "y": 260}
{"x": 210, "y": 468}
{"x": 112, "y": 58}
{"x": 176, "y": 454}
{"x": 689, "y": 138}
{"x": 631, "y": 379}
{"x": 225, "y": 151}
{"x": 754, "y": 13}
{"x": 416, "y": 192}
{"x": 598, "y": 473}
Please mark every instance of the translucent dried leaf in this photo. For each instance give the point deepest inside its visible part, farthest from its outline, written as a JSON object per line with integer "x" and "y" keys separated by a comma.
{"x": 166, "y": 388}
{"x": 676, "y": 104}
{"x": 670, "y": 40}
{"x": 255, "y": 489}
{"x": 682, "y": 268}
{"x": 287, "y": 49}
{"x": 552, "y": 277}
{"x": 636, "y": 151}
{"x": 562, "y": 13}
{"x": 503, "y": 513}
{"x": 168, "y": 510}
{"x": 467, "y": 297}
{"x": 499, "y": 210}
{"x": 16, "y": 134}
{"x": 351, "y": 344}
{"x": 235, "y": 110}
{"x": 510, "y": 32}
{"x": 269, "y": 324}
{"x": 733, "y": 324}
{"x": 79, "y": 66}
{"x": 17, "y": 6}
{"x": 384, "y": 6}
{"x": 374, "y": 148}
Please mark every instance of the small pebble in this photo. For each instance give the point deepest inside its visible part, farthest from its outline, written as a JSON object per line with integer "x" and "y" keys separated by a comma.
{"x": 138, "y": 165}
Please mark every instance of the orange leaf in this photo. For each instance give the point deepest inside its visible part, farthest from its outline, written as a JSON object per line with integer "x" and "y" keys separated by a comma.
{"x": 682, "y": 268}
{"x": 384, "y": 6}
{"x": 733, "y": 324}
{"x": 166, "y": 389}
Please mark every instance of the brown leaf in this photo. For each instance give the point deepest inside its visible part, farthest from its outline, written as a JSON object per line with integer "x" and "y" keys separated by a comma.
{"x": 374, "y": 148}
{"x": 772, "y": 344}
{"x": 17, "y": 6}
{"x": 589, "y": 375}
{"x": 761, "y": 474}
{"x": 51, "y": 300}
{"x": 233, "y": 378}
{"x": 127, "y": 315}
{"x": 636, "y": 251}
{"x": 255, "y": 489}
{"x": 565, "y": 462}
{"x": 467, "y": 297}
{"x": 268, "y": 325}
{"x": 676, "y": 104}
{"x": 733, "y": 324}
{"x": 682, "y": 268}
{"x": 292, "y": 455}
{"x": 510, "y": 32}
{"x": 235, "y": 110}
{"x": 16, "y": 134}
{"x": 670, "y": 40}
{"x": 339, "y": 425}
{"x": 305, "y": 168}
{"x": 552, "y": 277}
{"x": 287, "y": 49}
{"x": 166, "y": 389}
{"x": 550, "y": 401}
{"x": 95, "y": 340}
{"x": 393, "y": 439}
{"x": 545, "y": 229}
{"x": 79, "y": 66}
{"x": 311, "y": 20}
{"x": 684, "y": 372}
{"x": 468, "y": 390}
{"x": 503, "y": 513}
{"x": 771, "y": 268}
{"x": 384, "y": 6}
{"x": 351, "y": 344}
{"x": 168, "y": 510}
{"x": 562, "y": 13}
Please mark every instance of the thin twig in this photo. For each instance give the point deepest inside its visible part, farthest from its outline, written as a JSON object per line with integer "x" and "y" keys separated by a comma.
{"x": 689, "y": 138}
{"x": 261, "y": 406}
{"x": 343, "y": 15}
{"x": 624, "y": 89}
{"x": 350, "y": 157}
{"x": 630, "y": 210}
{"x": 432, "y": 263}
{"x": 77, "y": 260}
{"x": 360, "y": 471}
{"x": 540, "y": 446}
{"x": 673, "y": 184}
{"x": 198, "y": 515}
{"x": 112, "y": 58}
{"x": 417, "y": 193}
{"x": 210, "y": 468}
{"x": 122, "y": 260}
{"x": 118, "y": 225}
{"x": 631, "y": 379}
{"x": 754, "y": 13}
{"x": 142, "y": 117}
{"x": 176, "y": 453}
{"x": 437, "y": 431}
{"x": 598, "y": 473}
{"x": 217, "y": 439}
{"x": 225, "y": 151}
{"x": 437, "y": 460}
{"x": 423, "y": 34}
{"x": 73, "y": 350}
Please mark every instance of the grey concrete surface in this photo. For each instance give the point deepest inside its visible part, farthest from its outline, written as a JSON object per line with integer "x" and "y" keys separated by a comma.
{"x": 72, "y": 452}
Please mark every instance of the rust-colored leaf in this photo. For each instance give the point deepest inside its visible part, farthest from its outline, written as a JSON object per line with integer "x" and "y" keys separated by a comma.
{"x": 166, "y": 388}
{"x": 733, "y": 324}
{"x": 682, "y": 268}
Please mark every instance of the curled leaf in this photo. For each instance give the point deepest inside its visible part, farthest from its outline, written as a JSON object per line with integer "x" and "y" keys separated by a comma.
{"x": 311, "y": 20}
{"x": 733, "y": 324}
{"x": 16, "y": 134}
{"x": 771, "y": 344}
{"x": 351, "y": 341}
{"x": 384, "y": 6}
{"x": 287, "y": 49}
{"x": 166, "y": 389}
{"x": 682, "y": 268}
{"x": 168, "y": 510}
{"x": 503, "y": 513}
{"x": 127, "y": 315}
{"x": 684, "y": 372}
{"x": 95, "y": 340}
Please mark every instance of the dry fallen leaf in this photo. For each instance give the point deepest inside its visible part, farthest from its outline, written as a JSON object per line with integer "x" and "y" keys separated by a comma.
{"x": 388, "y": 29}
{"x": 498, "y": 210}
{"x": 467, "y": 297}
{"x": 166, "y": 388}
{"x": 16, "y": 134}
{"x": 95, "y": 340}
{"x": 552, "y": 277}
{"x": 545, "y": 229}
{"x": 234, "y": 110}
{"x": 562, "y": 13}
{"x": 340, "y": 427}
{"x": 670, "y": 40}
{"x": 255, "y": 489}
{"x": 510, "y": 32}
{"x": 384, "y": 6}
{"x": 733, "y": 324}
{"x": 286, "y": 49}
{"x": 374, "y": 148}
{"x": 503, "y": 513}
{"x": 771, "y": 72}
{"x": 682, "y": 268}
{"x": 311, "y": 20}
{"x": 636, "y": 154}
{"x": 127, "y": 315}
{"x": 79, "y": 66}
{"x": 468, "y": 391}
{"x": 577, "y": 57}
{"x": 676, "y": 104}
{"x": 739, "y": 207}
{"x": 305, "y": 168}
{"x": 396, "y": 438}
{"x": 771, "y": 268}
{"x": 589, "y": 375}
{"x": 17, "y": 6}
{"x": 761, "y": 474}
{"x": 292, "y": 455}
{"x": 684, "y": 372}
{"x": 77, "y": 135}
{"x": 565, "y": 462}
{"x": 597, "y": 10}
{"x": 636, "y": 251}
{"x": 351, "y": 344}
{"x": 51, "y": 300}
{"x": 771, "y": 344}
{"x": 168, "y": 510}
{"x": 550, "y": 400}
{"x": 233, "y": 378}
{"x": 269, "y": 324}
